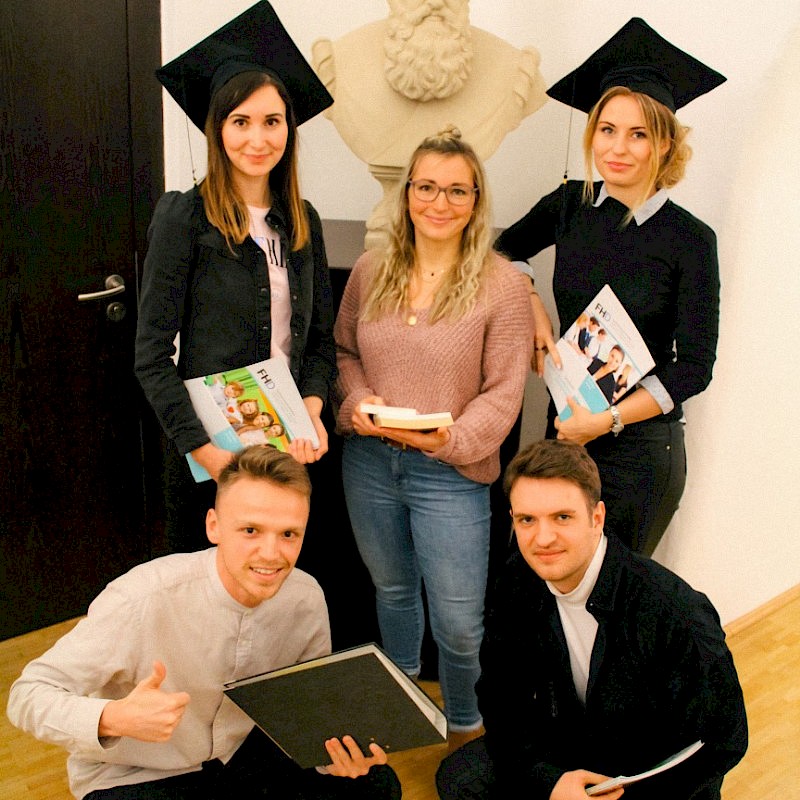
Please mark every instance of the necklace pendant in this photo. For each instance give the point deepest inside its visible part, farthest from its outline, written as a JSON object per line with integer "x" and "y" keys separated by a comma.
{"x": 411, "y": 319}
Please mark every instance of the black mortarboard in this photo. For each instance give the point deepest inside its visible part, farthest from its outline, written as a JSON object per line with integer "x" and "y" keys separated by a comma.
{"x": 255, "y": 40}
{"x": 644, "y": 61}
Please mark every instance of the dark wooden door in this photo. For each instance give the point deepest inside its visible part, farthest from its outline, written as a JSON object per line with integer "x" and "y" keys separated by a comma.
{"x": 80, "y": 167}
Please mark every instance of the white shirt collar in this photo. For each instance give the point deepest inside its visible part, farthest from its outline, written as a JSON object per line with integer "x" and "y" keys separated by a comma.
{"x": 645, "y": 211}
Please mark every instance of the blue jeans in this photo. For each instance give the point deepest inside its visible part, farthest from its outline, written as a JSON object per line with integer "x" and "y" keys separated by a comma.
{"x": 416, "y": 519}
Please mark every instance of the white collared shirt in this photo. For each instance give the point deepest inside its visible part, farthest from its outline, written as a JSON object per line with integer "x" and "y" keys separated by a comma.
{"x": 174, "y": 609}
{"x": 645, "y": 211}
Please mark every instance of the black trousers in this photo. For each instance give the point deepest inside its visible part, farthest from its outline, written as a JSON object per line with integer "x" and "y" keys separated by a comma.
{"x": 468, "y": 774}
{"x": 259, "y": 770}
{"x": 643, "y": 472}
{"x": 186, "y": 503}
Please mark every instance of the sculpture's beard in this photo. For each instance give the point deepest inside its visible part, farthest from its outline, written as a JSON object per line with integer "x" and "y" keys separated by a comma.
{"x": 428, "y": 51}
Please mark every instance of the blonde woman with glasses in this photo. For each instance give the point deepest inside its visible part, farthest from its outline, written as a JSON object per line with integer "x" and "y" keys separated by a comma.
{"x": 435, "y": 322}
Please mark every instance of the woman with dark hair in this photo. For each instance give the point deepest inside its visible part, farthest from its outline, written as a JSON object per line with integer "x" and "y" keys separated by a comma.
{"x": 659, "y": 260}
{"x": 432, "y": 322}
{"x": 236, "y": 267}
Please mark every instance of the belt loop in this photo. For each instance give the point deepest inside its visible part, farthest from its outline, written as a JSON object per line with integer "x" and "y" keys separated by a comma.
{"x": 399, "y": 445}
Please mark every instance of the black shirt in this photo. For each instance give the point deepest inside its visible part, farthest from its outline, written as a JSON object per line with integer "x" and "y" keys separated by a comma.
{"x": 664, "y": 272}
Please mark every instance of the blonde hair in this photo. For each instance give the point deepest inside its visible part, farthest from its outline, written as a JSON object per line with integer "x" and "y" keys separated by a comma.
{"x": 458, "y": 294}
{"x": 224, "y": 208}
{"x": 661, "y": 126}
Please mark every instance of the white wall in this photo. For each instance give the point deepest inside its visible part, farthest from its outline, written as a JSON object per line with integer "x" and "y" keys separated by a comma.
{"x": 734, "y": 536}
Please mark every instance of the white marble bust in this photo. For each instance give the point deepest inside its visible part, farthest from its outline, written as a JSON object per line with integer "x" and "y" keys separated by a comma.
{"x": 398, "y": 80}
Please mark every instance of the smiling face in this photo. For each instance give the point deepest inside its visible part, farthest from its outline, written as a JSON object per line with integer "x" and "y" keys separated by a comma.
{"x": 615, "y": 357}
{"x": 258, "y": 527}
{"x": 254, "y": 137}
{"x": 622, "y": 148}
{"x": 556, "y": 530}
{"x": 248, "y": 407}
{"x": 263, "y": 420}
{"x": 439, "y": 220}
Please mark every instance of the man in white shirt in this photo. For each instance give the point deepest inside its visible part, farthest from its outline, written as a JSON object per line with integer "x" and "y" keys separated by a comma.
{"x": 135, "y": 690}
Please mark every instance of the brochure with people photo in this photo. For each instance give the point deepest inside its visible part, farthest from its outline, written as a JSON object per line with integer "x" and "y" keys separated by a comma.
{"x": 257, "y": 404}
{"x": 602, "y": 357}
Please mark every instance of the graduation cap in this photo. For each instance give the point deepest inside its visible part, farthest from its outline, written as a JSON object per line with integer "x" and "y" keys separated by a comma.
{"x": 255, "y": 40}
{"x": 639, "y": 58}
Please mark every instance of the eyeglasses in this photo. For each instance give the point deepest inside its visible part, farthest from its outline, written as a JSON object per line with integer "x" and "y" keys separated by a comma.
{"x": 458, "y": 194}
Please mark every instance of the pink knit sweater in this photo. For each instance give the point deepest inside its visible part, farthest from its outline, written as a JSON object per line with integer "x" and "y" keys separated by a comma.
{"x": 474, "y": 367}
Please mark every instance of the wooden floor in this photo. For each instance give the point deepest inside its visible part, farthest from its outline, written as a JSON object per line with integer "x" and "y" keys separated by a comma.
{"x": 766, "y": 648}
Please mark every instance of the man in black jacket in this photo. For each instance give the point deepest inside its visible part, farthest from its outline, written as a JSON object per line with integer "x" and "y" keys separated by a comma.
{"x": 596, "y": 662}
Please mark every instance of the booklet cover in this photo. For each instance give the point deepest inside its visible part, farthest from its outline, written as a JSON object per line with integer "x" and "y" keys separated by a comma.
{"x": 257, "y": 404}
{"x": 624, "y": 780}
{"x": 602, "y": 357}
{"x": 359, "y": 692}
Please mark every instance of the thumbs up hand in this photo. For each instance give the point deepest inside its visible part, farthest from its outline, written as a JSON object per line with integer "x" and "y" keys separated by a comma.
{"x": 147, "y": 713}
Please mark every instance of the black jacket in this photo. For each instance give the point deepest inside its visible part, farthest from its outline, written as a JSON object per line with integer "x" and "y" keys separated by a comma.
{"x": 661, "y": 677}
{"x": 219, "y": 302}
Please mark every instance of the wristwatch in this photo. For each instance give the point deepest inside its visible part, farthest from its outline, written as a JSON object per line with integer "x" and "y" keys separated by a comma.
{"x": 616, "y": 421}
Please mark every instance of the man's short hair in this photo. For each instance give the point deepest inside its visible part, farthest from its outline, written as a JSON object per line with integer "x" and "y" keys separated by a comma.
{"x": 556, "y": 458}
{"x": 267, "y": 463}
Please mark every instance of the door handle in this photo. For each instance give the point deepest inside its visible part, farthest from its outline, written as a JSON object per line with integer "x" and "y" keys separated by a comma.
{"x": 115, "y": 284}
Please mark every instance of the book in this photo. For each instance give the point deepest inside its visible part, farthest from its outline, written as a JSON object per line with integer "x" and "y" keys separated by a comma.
{"x": 359, "y": 692}
{"x": 603, "y": 356}
{"x": 624, "y": 780}
{"x": 256, "y": 404}
{"x": 406, "y": 418}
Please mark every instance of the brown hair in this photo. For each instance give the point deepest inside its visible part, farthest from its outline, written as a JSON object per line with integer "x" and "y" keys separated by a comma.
{"x": 265, "y": 462}
{"x": 224, "y": 208}
{"x": 661, "y": 126}
{"x": 556, "y": 458}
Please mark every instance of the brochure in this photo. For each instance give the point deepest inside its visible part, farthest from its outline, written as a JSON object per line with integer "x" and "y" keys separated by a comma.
{"x": 602, "y": 357}
{"x": 257, "y": 404}
{"x": 358, "y": 692}
{"x": 624, "y": 780}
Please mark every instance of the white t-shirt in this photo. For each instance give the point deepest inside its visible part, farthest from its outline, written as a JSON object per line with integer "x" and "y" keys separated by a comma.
{"x": 280, "y": 306}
